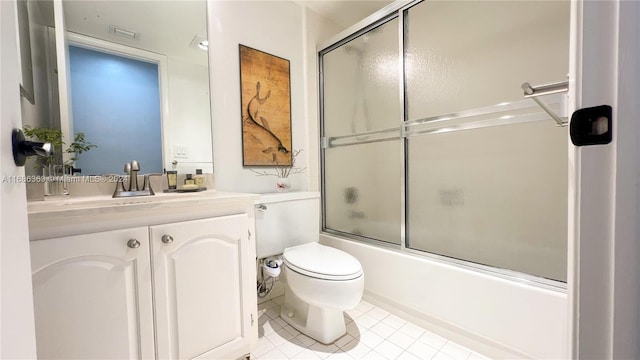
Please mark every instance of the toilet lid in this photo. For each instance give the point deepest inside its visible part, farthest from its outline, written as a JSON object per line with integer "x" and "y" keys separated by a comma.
{"x": 322, "y": 262}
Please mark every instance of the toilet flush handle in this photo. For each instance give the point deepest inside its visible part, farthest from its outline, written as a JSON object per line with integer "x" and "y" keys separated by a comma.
{"x": 261, "y": 207}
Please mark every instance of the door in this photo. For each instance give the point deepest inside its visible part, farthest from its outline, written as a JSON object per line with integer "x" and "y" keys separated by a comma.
{"x": 16, "y": 302}
{"x": 201, "y": 269}
{"x": 604, "y": 238}
{"x": 92, "y": 296}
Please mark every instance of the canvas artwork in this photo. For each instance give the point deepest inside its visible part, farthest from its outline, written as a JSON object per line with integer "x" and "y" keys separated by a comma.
{"x": 266, "y": 108}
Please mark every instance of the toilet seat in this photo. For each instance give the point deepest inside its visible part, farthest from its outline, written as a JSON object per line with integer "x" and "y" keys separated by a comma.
{"x": 322, "y": 262}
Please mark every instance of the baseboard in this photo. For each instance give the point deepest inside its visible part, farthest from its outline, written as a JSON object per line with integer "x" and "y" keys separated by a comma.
{"x": 473, "y": 341}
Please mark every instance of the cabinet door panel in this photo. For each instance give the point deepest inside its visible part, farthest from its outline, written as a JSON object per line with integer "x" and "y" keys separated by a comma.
{"x": 92, "y": 296}
{"x": 198, "y": 286}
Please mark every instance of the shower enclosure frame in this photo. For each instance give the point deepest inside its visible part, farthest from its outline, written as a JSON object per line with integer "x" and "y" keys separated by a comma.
{"x": 398, "y": 10}
{"x": 603, "y": 196}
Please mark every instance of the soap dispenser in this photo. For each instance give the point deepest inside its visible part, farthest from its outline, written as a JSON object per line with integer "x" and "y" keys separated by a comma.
{"x": 199, "y": 178}
{"x": 188, "y": 180}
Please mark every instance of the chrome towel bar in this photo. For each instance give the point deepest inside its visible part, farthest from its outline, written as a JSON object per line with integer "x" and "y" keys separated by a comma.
{"x": 534, "y": 92}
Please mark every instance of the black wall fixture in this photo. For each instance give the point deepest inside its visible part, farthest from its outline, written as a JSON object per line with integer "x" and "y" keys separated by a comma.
{"x": 591, "y": 126}
{"x": 23, "y": 148}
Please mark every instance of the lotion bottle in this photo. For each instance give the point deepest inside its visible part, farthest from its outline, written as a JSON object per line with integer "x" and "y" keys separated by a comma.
{"x": 189, "y": 180}
{"x": 199, "y": 178}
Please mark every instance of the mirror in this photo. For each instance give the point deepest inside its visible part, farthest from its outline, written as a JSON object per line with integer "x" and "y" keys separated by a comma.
{"x": 139, "y": 84}
{"x": 39, "y": 86}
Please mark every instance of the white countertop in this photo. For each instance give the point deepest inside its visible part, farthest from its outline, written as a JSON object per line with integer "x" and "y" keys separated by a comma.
{"x": 84, "y": 214}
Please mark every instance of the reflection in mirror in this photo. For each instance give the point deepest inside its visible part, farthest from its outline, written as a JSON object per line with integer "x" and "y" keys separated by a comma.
{"x": 39, "y": 102}
{"x": 140, "y": 84}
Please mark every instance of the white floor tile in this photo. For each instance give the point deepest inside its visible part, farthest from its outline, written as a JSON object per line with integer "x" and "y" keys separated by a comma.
{"x": 442, "y": 356}
{"x": 371, "y": 339}
{"x": 407, "y": 356}
{"x": 353, "y": 330}
{"x": 354, "y": 313}
{"x": 268, "y": 328}
{"x": 377, "y": 313}
{"x": 364, "y": 306}
{"x": 262, "y": 319}
{"x": 412, "y": 330}
{"x": 279, "y": 337}
{"x": 323, "y": 350}
{"x": 383, "y": 330}
{"x": 347, "y": 318}
{"x": 422, "y": 351}
{"x": 305, "y": 340}
{"x": 307, "y": 355}
{"x": 372, "y": 333}
{"x": 291, "y": 348}
{"x": 388, "y": 350}
{"x": 356, "y": 349}
{"x": 394, "y": 321}
{"x": 292, "y": 330}
{"x": 365, "y": 321}
{"x": 344, "y": 340}
{"x": 455, "y": 351}
{"x": 280, "y": 322}
{"x": 339, "y": 356}
{"x": 476, "y": 356}
{"x": 374, "y": 356}
{"x": 433, "y": 340}
{"x": 263, "y": 346}
{"x": 400, "y": 339}
{"x": 274, "y": 354}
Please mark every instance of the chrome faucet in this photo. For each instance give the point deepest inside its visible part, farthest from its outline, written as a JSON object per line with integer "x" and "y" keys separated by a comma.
{"x": 132, "y": 168}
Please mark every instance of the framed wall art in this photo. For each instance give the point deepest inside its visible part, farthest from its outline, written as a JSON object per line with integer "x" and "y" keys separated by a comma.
{"x": 265, "y": 89}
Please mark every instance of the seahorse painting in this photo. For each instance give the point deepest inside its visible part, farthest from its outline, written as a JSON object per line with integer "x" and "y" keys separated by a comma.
{"x": 266, "y": 108}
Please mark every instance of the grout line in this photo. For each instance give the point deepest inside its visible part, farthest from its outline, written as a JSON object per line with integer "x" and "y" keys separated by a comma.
{"x": 356, "y": 348}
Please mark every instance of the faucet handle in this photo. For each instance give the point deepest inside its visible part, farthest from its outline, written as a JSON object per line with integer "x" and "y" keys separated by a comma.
{"x": 119, "y": 183}
{"x": 135, "y": 165}
{"x": 147, "y": 182}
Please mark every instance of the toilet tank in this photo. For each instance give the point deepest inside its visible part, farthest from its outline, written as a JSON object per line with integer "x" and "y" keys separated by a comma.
{"x": 286, "y": 219}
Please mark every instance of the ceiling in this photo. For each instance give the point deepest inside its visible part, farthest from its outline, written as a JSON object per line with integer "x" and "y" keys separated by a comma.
{"x": 169, "y": 26}
{"x": 344, "y": 13}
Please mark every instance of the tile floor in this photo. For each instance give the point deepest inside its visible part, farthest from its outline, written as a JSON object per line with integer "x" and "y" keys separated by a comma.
{"x": 372, "y": 333}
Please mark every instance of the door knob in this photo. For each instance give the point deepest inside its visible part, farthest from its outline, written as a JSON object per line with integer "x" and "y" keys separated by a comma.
{"x": 23, "y": 148}
{"x": 133, "y": 243}
{"x": 167, "y": 239}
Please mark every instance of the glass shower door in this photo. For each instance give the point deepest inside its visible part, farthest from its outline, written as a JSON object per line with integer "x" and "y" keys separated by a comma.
{"x": 486, "y": 170}
{"x": 362, "y": 172}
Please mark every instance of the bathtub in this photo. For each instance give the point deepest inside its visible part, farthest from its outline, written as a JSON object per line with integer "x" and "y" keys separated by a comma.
{"x": 499, "y": 317}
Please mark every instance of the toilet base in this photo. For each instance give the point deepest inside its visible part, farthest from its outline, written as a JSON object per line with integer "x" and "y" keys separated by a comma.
{"x": 321, "y": 324}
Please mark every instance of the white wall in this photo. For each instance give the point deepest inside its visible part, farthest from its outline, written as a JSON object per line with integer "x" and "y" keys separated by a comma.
{"x": 511, "y": 317}
{"x": 189, "y": 122}
{"x": 17, "y": 330}
{"x": 274, "y": 27}
{"x": 281, "y": 28}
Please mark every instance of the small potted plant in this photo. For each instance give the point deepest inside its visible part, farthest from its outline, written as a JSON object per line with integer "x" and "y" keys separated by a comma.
{"x": 282, "y": 172}
{"x": 54, "y": 169}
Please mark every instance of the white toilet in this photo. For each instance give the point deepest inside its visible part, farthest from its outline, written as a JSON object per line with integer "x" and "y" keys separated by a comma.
{"x": 320, "y": 282}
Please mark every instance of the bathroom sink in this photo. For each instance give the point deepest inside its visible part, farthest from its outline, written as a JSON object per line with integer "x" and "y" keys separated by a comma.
{"x": 86, "y": 214}
{"x": 102, "y": 202}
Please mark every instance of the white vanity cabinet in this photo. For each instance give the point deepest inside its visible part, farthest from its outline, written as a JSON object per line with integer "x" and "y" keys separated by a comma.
{"x": 198, "y": 269}
{"x": 163, "y": 289}
{"x": 92, "y": 296}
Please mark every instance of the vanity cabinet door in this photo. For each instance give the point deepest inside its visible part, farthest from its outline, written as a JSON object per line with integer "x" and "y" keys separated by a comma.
{"x": 92, "y": 296}
{"x": 201, "y": 269}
